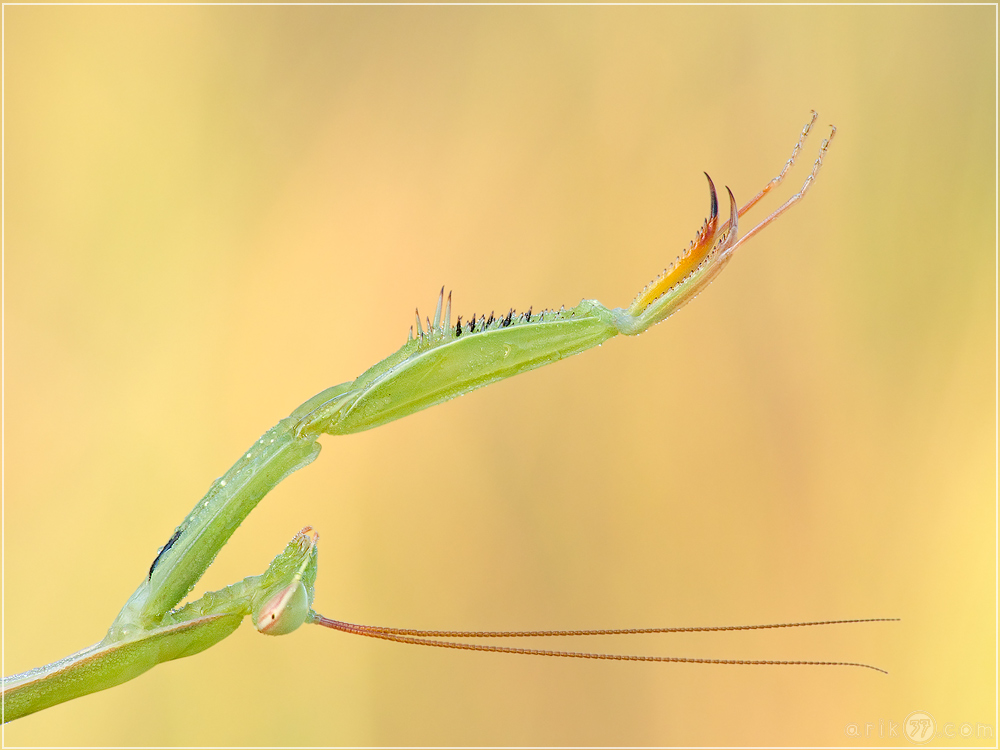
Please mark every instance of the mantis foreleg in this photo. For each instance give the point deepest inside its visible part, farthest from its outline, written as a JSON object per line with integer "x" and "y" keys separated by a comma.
{"x": 444, "y": 361}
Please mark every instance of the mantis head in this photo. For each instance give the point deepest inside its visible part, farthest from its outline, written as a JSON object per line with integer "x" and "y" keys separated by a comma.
{"x": 283, "y": 604}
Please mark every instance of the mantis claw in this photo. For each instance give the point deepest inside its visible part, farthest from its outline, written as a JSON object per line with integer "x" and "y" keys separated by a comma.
{"x": 714, "y": 211}
{"x": 691, "y": 272}
{"x": 734, "y": 219}
{"x": 711, "y": 250}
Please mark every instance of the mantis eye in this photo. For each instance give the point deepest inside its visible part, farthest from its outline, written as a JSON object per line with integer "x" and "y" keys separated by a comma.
{"x": 283, "y": 612}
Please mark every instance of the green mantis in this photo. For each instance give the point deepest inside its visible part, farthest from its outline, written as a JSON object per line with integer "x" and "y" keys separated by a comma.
{"x": 442, "y": 359}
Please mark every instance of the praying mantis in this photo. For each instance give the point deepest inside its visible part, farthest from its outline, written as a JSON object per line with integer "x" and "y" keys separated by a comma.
{"x": 441, "y": 360}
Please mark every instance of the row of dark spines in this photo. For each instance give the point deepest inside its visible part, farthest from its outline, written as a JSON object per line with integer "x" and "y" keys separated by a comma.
{"x": 483, "y": 323}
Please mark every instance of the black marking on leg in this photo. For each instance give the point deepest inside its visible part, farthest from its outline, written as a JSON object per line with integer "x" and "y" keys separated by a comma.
{"x": 488, "y": 322}
{"x": 168, "y": 545}
{"x": 458, "y": 327}
{"x": 527, "y": 316}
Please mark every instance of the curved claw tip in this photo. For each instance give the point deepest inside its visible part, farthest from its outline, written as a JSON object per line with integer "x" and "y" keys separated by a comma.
{"x": 715, "y": 198}
{"x": 734, "y": 215}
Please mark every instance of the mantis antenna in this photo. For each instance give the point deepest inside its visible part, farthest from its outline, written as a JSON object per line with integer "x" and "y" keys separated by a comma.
{"x": 437, "y": 363}
{"x": 424, "y": 638}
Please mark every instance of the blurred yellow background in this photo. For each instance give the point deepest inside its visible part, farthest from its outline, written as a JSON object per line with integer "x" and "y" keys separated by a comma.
{"x": 213, "y": 213}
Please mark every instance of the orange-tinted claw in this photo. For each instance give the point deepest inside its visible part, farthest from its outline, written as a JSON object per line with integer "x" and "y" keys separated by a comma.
{"x": 711, "y": 250}
{"x": 690, "y": 259}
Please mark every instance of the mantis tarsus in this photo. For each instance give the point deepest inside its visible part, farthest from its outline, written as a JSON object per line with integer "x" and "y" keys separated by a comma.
{"x": 440, "y": 360}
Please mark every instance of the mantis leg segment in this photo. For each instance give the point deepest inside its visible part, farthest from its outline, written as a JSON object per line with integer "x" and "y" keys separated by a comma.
{"x": 788, "y": 164}
{"x": 102, "y": 665}
{"x": 208, "y": 526}
{"x": 824, "y": 146}
{"x": 279, "y": 599}
{"x": 441, "y": 362}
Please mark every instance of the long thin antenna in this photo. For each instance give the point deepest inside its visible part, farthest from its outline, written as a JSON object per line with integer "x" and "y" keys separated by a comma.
{"x": 420, "y": 638}
{"x": 378, "y": 629}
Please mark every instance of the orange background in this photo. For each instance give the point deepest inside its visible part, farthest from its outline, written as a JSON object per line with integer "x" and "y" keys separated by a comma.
{"x": 213, "y": 213}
